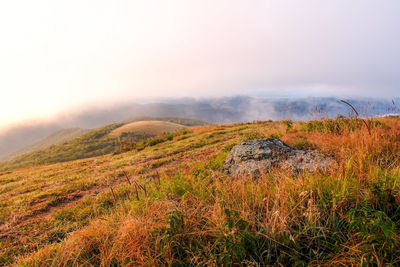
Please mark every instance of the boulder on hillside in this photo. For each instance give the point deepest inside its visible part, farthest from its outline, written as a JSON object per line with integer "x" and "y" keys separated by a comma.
{"x": 256, "y": 157}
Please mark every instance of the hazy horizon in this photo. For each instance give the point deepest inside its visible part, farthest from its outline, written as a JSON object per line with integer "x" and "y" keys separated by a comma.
{"x": 68, "y": 115}
{"x": 62, "y": 57}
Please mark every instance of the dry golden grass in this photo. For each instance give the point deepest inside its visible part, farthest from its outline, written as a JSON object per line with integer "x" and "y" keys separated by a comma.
{"x": 181, "y": 209}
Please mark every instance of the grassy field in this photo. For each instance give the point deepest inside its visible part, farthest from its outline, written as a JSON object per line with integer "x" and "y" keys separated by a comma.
{"x": 169, "y": 203}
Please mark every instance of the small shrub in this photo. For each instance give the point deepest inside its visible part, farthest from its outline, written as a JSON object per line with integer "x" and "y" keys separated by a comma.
{"x": 178, "y": 185}
{"x": 377, "y": 232}
{"x": 289, "y": 125}
{"x": 303, "y": 144}
{"x": 277, "y": 135}
{"x": 169, "y": 242}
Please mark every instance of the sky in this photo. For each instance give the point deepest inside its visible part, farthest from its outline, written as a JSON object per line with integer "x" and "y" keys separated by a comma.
{"x": 58, "y": 56}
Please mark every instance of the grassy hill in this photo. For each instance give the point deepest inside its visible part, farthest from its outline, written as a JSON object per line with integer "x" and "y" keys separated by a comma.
{"x": 53, "y": 139}
{"x": 170, "y": 203}
{"x": 151, "y": 128}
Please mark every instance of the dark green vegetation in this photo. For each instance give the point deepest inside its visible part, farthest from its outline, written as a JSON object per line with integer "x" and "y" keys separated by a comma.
{"x": 169, "y": 203}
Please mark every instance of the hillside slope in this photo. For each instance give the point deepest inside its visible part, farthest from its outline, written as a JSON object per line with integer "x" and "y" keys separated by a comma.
{"x": 171, "y": 204}
{"x": 27, "y": 133}
{"x": 53, "y": 139}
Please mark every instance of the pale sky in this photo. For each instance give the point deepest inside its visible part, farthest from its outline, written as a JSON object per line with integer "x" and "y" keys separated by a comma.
{"x": 60, "y": 55}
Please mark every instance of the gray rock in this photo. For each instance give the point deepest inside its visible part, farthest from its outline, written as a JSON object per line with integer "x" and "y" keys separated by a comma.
{"x": 257, "y": 157}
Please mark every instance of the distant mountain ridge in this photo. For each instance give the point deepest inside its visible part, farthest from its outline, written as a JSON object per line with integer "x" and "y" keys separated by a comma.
{"x": 211, "y": 110}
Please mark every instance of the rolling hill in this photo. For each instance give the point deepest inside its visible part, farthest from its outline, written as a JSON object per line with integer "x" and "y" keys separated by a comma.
{"x": 151, "y": 128}
{"x": 170, "y": 203}
{"x": 100, "y": 141}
